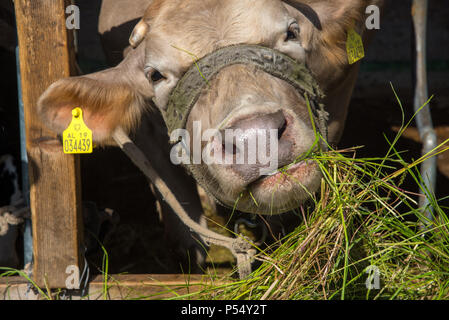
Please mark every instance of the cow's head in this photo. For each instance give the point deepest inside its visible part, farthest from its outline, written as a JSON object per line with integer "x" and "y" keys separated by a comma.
{"x": 172, "y": 35}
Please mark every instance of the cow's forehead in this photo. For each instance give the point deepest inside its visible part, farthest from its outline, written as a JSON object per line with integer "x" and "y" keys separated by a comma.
{"x": 163, "y": 8}
{"x": 221, "y": 16}
{"x": 201, "y": 26}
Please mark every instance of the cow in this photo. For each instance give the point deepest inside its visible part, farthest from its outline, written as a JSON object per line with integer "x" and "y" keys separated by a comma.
{"x": 171, "y": 36}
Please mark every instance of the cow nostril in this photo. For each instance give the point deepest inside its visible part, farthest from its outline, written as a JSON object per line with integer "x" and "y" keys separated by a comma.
{"x": 282, "y": 129}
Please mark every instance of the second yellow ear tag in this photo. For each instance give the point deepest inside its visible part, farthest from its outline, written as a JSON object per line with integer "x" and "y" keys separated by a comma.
{"x": 77, "y": 138}
{"x": 354, "y": 46}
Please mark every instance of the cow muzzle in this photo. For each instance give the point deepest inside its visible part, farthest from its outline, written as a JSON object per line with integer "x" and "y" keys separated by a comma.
{"x": 278, "y": 125}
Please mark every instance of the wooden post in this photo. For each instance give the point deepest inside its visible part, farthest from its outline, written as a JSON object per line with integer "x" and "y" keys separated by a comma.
{"x": 46, "y": 54}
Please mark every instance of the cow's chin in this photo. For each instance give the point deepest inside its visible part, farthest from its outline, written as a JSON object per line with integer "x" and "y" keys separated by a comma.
{"x": 281, "y": 191}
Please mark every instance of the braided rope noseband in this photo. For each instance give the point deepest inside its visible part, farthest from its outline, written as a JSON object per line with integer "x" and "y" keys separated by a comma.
{"x": 189, "y": 88}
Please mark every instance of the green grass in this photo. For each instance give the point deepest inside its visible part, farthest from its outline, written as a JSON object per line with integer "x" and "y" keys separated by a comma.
{"x": 361, "y": 221}
{"x": 361, "y": 218}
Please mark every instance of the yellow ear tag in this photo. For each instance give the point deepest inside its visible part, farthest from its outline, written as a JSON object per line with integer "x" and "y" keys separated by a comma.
{"x": 77, "y": 138}
{"x": 354, "y": 46}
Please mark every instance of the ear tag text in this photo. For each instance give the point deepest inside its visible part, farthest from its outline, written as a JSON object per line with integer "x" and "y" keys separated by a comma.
{"x": 77, "y": 138}
{"x": 354, "y": 46}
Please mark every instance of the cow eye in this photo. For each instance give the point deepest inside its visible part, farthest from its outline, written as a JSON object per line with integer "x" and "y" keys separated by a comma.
{"x": 154, "y": 75}
{"x": 292, "y": 32}
{"x": 157, "y": 76}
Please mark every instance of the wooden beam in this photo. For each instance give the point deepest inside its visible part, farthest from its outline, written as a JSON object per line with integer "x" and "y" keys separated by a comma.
{"x": 46, "y": 54}
{"x": 120, "y": 287}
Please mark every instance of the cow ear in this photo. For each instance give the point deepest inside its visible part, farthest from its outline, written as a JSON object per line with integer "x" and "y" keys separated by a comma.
{"x": 110, "y": 98}
{"x": 333, "y": 15}
{"x": 329, "y": 21}
{"x": 324, "y": 33}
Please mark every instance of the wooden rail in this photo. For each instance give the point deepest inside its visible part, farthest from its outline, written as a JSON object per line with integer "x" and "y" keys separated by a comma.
{"x": 120, "y": 287}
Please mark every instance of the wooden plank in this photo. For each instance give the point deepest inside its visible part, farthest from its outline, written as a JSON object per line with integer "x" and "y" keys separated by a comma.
{"x": 120, "y": 287}
{"x": 160, "y": 286}
{"x": 46, "y": 54}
